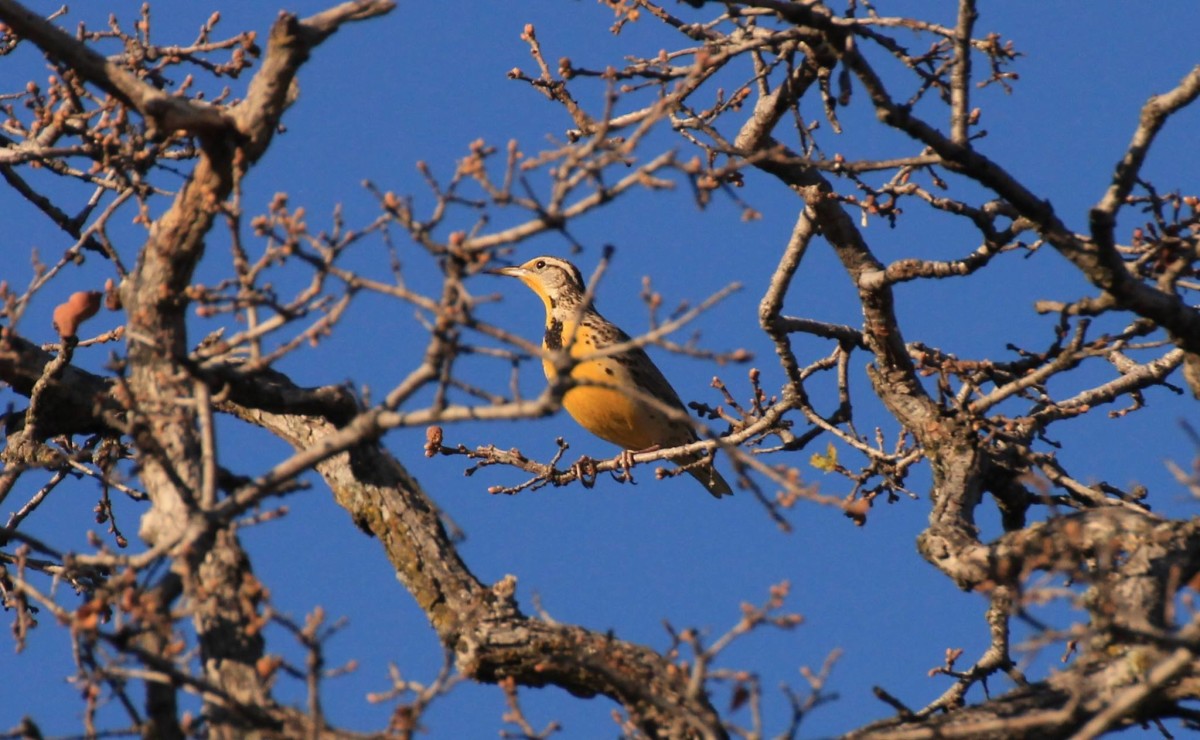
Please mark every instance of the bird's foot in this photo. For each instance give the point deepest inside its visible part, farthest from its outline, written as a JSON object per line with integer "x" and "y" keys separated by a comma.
{"x": 624, "y": 471}
{"x": 625, "y": 463}
{"x": 585, "y": 470}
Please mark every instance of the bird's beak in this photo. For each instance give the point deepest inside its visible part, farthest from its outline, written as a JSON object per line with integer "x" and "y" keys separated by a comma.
{"x": 509, "y": 271}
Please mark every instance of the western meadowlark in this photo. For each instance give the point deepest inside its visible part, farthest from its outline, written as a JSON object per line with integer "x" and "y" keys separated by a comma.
{"x": 622, "y": 417}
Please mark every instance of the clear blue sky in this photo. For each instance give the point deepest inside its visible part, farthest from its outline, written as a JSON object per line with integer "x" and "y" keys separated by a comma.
{"x": 425, "y": 81}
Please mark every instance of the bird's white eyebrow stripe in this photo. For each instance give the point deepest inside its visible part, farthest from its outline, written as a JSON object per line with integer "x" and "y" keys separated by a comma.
{"x": 571, "y": 270}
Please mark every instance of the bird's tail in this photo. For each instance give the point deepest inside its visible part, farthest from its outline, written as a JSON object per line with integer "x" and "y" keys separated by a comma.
{"x": 711, "y": 479}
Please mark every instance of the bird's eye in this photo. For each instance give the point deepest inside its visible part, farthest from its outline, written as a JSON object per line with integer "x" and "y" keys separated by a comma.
{"x": 541, "y": 264}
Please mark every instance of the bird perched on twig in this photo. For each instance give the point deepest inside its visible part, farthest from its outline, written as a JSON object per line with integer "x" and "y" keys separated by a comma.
{"x": 614, "y": 398}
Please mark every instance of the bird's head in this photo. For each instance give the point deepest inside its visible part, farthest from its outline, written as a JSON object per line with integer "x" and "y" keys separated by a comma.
{"x": 557, "y": 282}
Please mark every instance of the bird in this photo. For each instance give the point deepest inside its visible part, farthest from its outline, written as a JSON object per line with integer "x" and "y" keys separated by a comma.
{"x": 617, "y": 411}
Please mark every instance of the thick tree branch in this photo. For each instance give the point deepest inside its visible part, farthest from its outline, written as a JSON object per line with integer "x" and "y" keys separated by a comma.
{"x": 164, "y": 408}
{"x": 162, "y": 110}
{"x": 488, "y": 633}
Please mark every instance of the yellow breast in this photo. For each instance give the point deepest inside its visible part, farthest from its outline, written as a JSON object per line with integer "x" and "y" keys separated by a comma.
{"x": 609, "y": 413}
